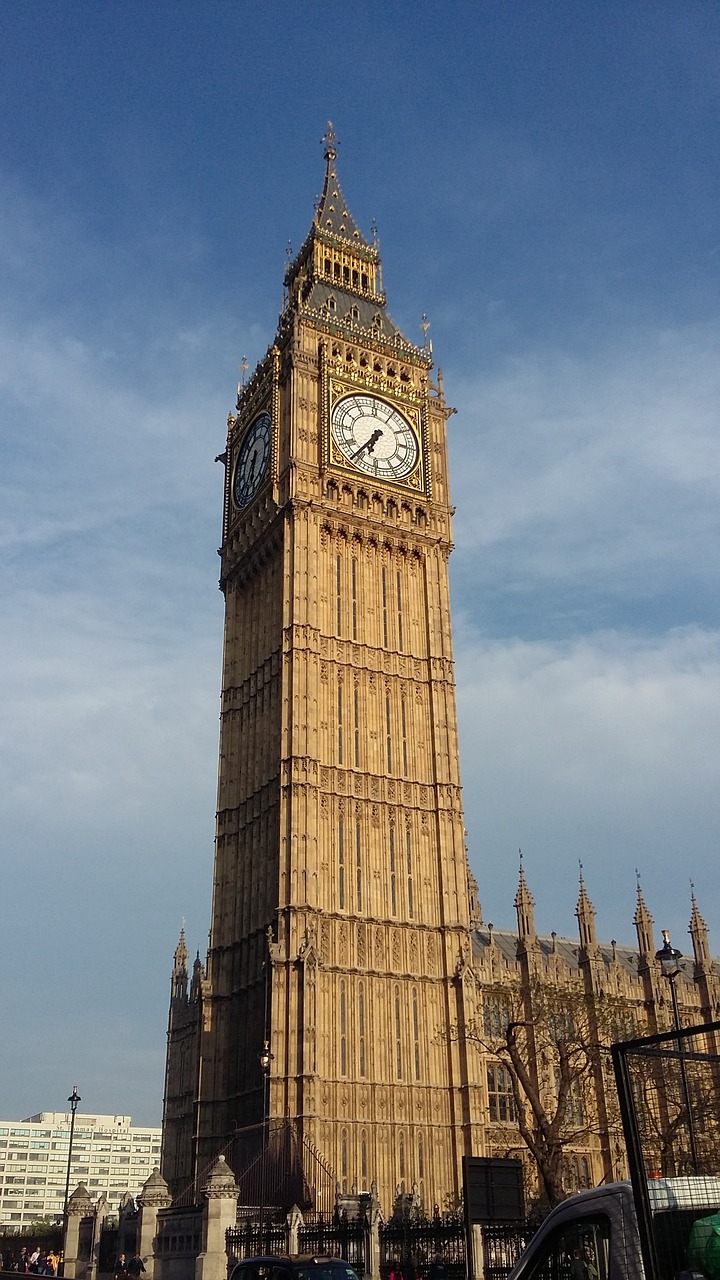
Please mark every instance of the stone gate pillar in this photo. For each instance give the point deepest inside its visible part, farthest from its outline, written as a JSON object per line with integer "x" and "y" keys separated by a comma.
{"x": 79, "y": 1206}
{"x": 294, "y": 1222}
{"x": 153, "y": 1197}
{"x": 372, "y": 1236}
{"x": 219, "y": 1212}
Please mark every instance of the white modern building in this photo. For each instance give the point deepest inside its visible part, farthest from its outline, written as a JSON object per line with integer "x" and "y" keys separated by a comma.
{"x": 109, "y": 1155}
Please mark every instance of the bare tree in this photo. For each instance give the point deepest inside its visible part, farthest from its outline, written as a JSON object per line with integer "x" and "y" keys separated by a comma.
{"x": 551, "y": 1045}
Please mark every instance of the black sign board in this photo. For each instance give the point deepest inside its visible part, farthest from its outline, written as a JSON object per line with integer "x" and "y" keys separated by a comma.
{"x": 493, "y": 1190}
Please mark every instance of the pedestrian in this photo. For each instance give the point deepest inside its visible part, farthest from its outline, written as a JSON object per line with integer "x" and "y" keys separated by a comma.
{"x": 120, "y": 1271}
{"x": 437, "y": 1269}
{"x": 578, "y": 1268}
{"x": 135, "y": 1266}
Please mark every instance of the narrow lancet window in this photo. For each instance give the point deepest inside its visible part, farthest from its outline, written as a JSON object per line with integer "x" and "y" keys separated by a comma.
{"x": 341, "y": 864}
{"x": 358, "y": 867}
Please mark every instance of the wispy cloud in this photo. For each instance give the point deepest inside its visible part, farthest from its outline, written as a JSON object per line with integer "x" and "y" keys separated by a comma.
{"x": 602, "y": 748}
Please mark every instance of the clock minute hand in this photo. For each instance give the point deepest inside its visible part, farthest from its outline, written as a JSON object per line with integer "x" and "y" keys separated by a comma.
{"x": 369, "y": 444}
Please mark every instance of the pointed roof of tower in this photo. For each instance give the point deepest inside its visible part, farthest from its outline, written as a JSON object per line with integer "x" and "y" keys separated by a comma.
{"x": 335, "y": 278}
{"x": 333, "y": 215}
{"x": 585, "y": 913}
{"x": 643, "y": 922}
{"x": 181, "y": 951}
{"x": 698, "y": 931}
{"x": 524, "y": 905}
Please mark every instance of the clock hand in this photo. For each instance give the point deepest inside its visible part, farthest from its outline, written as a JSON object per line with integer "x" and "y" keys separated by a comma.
{"x": 369, "y": 444}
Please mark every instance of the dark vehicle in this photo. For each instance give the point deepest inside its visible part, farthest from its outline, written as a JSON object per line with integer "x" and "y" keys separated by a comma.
{"x": 594, "y": 1236}
{"x": 302, "y": 1267}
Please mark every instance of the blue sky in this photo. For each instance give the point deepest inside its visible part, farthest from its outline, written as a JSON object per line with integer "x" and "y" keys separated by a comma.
{"x": 544, "y": 178}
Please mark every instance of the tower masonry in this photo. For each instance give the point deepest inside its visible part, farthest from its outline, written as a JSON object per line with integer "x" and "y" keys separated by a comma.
{"x": 342, "y": 903}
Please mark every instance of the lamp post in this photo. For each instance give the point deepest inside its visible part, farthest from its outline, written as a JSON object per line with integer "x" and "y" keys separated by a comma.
{"x": 73, "y": 1100}
{"x": 669, "y": 958}
{"x": 266, "y": 1058}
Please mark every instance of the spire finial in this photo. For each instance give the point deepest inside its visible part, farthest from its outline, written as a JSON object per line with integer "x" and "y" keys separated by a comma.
{"x": 331, "y": 141}
{"x": 425, "y": 325}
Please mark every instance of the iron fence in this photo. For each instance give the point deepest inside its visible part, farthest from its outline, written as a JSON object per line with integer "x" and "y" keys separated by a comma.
{"x": 414, "y": 1243}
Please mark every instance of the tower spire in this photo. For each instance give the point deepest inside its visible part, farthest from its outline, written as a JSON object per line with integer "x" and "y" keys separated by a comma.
{"x": 643, "y": 922}
{"x": 180, "y": 973}
{"x": 332, "y": 215}
{"x": 524, "y": 906}
{"x": 698, "y": 931}
{"x": 585, "y": 913}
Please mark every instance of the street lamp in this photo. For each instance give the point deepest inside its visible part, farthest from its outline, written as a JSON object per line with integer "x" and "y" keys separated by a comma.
{"x": 73, "y": 1100}
{"x": 670, "y": 958}
{"x": 266, "y": 1058}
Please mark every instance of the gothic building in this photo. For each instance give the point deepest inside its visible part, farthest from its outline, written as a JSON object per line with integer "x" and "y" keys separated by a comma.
{"x": 346, "y": 941}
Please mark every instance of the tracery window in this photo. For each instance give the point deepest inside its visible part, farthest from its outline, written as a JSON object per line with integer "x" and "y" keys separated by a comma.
{"x": 501, "y": 1104}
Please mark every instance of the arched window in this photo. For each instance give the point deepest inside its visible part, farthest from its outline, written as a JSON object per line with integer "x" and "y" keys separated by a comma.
{"x": 343, "y": 1030}
{"x": 393, "y": 876}
{"x": 398, "y": 1042}
{"x": 361, "y": 1029}
{"x": 358, "y": 868}
{"x": 344, "y": 1157}
{"x": 353, "y": 582}
{"x": 416, "y": 1033}
{"x": 403, "y": 726}
{"x": 341, "y": 864}
{"x": 408, "y": 857}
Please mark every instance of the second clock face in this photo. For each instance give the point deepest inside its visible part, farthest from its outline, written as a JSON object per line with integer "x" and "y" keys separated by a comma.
{"x": 374, "y": 437}
{"x": 252, "y": 461}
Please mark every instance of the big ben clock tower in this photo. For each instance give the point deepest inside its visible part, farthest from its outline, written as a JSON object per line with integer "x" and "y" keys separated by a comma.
{"x": 342, "y": 903}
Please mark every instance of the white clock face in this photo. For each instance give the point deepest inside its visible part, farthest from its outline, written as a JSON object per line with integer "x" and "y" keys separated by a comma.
{"x": 252, "y": 461}
{"x": 374, "y": 437}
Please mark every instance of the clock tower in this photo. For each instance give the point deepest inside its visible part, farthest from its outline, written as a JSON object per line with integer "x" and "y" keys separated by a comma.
{"x": 342, "y": 901}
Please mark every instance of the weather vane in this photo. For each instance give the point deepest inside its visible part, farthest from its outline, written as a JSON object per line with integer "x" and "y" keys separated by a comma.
{"x": 330, "y": 139}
